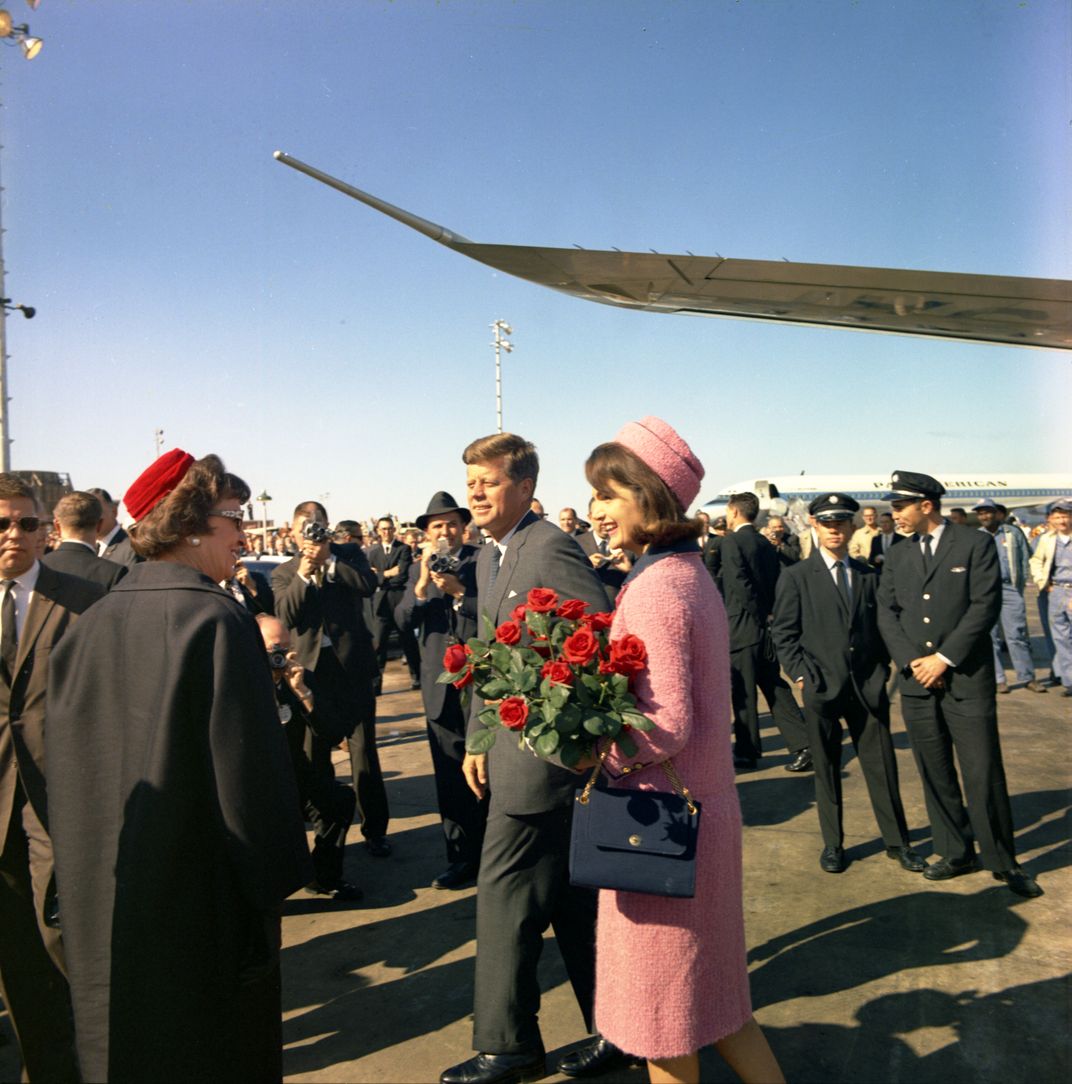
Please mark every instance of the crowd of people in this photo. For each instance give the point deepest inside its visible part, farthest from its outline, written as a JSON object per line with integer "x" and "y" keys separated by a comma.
{"x": 168, "y": 716}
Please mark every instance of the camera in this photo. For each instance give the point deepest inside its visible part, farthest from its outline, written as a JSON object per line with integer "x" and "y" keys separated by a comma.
{"x": 442, "y": 562}
{"x": 277, "y": 657}
{"x": 316, "y": 532}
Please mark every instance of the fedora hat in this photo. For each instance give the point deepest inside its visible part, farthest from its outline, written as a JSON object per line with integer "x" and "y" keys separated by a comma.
{"x": 439, "y": 505}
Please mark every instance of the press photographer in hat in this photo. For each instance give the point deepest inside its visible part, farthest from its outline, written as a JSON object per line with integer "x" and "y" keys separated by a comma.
{"x": 939, "y": 596}
{"x": 826, "y": 631}
{"x": 439, "y": 605}
{"x": 172, "y": 802}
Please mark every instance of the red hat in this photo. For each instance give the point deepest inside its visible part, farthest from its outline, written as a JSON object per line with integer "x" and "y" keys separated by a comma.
{"x": 156, "y": 482}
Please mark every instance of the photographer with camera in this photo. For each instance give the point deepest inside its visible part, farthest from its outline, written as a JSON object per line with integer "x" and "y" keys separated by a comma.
{"x": 313, "y": 726}
{"x": 440, "y": 601}
{"x": 391, "y": 561}
{"x": 319, "y": 596}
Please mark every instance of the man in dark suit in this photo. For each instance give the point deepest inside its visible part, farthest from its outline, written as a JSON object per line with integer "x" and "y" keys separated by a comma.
{"x": 77, "y": 517}
{"x": 391, "y": 560}
{"x": 939, "y": 596}
{"x": 750, "y": 570}
{"x": 524, "y": 869}
{"x": 826, "y": 631}
{"x": 318, "y": 596}
{"x": 113, "y": 543}
{"x": 39, "y": 605}
{"x": 440, "y": 603}
{"x": 884, "y": 541}
{"x": 612, "y": 566}
{"x": 252, "y": 590}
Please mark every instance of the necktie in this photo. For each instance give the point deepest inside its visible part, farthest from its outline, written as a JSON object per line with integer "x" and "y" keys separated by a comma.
{"x": 493, "y": 575}
{"x": 842, "y": 578}
{"x": 9, "y": 642}
{"x": 604, "y": 548}
{"x": 927, "y": 554}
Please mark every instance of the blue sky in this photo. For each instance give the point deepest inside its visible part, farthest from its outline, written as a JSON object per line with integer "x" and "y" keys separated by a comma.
{"x": 185, "y": 280}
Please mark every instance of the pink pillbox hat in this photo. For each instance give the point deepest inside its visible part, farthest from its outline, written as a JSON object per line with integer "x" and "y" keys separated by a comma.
{"x": 660, "y": 447}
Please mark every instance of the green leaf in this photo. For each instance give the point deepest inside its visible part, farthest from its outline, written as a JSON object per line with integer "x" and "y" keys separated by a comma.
{"x": 500, "y": 657}
{"x": 569, "y": 721}
{"x": 559, "y": 695}
{"x": 619, "y": 684}
{"x": 549, "y": 711}
{"x": 496, "y": 689}
{"x": 559, "y": 634}
{"x": 480, "y": 741}
{"x": 592, "y": 683}
{"x": 571, "y": 753}
{"x": 533, "y": 729}
{"x": 637, "y": 721}
{"x": 447, "y": 678}
{"x": 626, "y": 744}
{"x": 527, "y": 681}
{"x": 547, "y": 744}
{"x": 517, "y": 663}
{"x": 489, "y": 716}
{"x": 537, "y": 624}
{"x": 489, "y": 625}
{"x": 595, "y": 724}
{"x": 478, "y": 647}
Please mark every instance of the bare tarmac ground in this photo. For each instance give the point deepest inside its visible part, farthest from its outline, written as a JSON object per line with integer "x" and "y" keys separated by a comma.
{"x": 871, "y": 975}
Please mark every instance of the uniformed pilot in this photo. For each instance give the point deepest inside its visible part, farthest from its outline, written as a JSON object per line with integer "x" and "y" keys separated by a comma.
{"x": 939, "y": 597}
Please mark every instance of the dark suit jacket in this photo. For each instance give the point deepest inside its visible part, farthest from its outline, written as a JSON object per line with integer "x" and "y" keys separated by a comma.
{"x": 712, "y": 557}
{"x": 611, "y": 578}
{"x": 119, "y": 537}
{"x": 76, "y": 560}
{"x": 950, "y": 610}
{"x": 538, "y": 555}
{"x": 57, "y": 601}
{"x": 438, "y": 622}
{"x": 263, "y": 602}
{"x": 336, "y": 608}
{"x": 821, "y": 643}
{"x": 123, "y": 554}
{"x": 876, "y": 548}
{"x": 750, "y": 568}
{"x": 389, "y": 591}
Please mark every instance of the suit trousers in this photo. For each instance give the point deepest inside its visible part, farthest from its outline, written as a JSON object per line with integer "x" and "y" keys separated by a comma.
{"x": 874, "y": 747}
{"x": 384, "y": 622}
{"x": 937, "y": 725}
{"x": 1013, "y": 623}
{"x": 523, "y": 888}
{"x": 464, "y": 817}
{"x": 749, "y": 668}
{"x": 328, "y": 806}
{"x": 32, "y": 969}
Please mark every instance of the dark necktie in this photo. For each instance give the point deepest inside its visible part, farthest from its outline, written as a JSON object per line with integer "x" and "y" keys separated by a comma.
{"x": 493, "y": 575}
{"x": 842, "y": 578}
{"x": 604, "y": 548}
{"x": 9, "y": 642}
{"x": 928, "y": 556}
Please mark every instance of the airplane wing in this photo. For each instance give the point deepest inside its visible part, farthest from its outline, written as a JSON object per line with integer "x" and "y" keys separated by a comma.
{"x": 979, "y": 308}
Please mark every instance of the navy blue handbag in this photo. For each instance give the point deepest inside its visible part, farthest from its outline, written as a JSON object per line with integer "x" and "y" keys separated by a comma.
{"x": 635, "y": 840}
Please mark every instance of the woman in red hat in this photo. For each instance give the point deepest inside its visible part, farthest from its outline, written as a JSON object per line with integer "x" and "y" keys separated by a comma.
{"x": 172, "y": 802}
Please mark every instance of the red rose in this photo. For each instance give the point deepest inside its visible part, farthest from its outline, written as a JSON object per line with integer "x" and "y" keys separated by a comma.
{"x": 572, "y": 608}
{"x": 518, "y": 612}
{"x": 542, "y": 600}
{"x": 509, "y": 632}
{"x": 465, "y": 679}
{"x": 513, "y": 711}
{"x": 628, "y": 655}
{"x": 580, "y": 647}
{"x": 598, "y": 622}
{"x": 541, "y": 647}
{"x": 558, "y": 672}
{"x": 455, "y": 657}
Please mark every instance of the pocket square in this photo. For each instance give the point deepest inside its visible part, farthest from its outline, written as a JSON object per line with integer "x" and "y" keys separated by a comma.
{"x": 959, "y": 568}
{"x": 513, "y": 594}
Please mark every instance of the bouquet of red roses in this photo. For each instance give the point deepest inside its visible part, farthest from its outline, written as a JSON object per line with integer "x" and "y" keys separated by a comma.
{"x": 552, "y": 674}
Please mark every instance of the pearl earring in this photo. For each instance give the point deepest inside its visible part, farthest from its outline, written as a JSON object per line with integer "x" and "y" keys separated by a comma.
{"x": 195, "y": 541}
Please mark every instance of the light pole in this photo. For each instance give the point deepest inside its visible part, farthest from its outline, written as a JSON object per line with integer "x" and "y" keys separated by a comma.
{"x": 12, "y": 35}
{"x": 264, "y": 498}
{"x": 501, "y": 328}
{"x": 158, "y": 440}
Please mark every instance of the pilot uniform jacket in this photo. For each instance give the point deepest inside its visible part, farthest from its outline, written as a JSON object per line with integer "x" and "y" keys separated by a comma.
{"x": 949, "y": 610}
{"x": 812, "y": 631}
{"x": 77, "y": 559}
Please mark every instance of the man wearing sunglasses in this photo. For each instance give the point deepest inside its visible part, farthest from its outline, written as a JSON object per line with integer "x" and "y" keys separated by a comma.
{"x": 37, "y": 605}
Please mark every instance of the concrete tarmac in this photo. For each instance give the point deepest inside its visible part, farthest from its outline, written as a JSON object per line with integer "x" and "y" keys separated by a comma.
{"x": 871, "y": 975}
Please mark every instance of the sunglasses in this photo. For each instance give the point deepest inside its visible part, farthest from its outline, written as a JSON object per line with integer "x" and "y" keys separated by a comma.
{"x": 27, "y": 524}
{"x": 235, "y": 516}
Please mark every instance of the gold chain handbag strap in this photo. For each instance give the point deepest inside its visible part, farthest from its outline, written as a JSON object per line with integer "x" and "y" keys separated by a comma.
{"x": 668, "y": 768}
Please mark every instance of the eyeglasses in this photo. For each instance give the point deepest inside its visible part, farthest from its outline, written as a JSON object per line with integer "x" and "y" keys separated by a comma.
{"x": 27, "y": 524}
{"x": 235, "y": 515}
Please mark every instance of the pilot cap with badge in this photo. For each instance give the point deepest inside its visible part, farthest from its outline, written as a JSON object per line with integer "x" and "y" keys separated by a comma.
{"x": 907, "y": 486}
{"x": 833, "y": 506}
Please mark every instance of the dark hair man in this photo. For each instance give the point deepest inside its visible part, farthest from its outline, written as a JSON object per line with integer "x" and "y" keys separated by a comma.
{"x": 828, "y": 643}
{"x": 958, "y": 516}
{"x": 524, "y": 868}
{"x": 38, "y": 605}
{"x": 77, "y": 518}
{"x": 113, "y": 543}
{"x": 880, "y": 545}
{"x": 750, "y": 570}
{"x": 391, "y": 560}
{"x": 319, "y": 596}
{"x": 440, "y": 602}
{"x": 939, "y": 597}
{"x": 612, "y": 566}
{"x": 1051, "y": 569}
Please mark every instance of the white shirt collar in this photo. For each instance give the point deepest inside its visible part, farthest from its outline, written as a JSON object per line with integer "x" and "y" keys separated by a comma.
{"x": 505, "y": 540}
{"x": 831, "y": 561}
{"x": 78, "y": 542}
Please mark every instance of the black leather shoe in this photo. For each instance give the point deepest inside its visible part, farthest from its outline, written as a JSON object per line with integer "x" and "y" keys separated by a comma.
{"x": 744, "y": 764}
{"x": 343, "y": 892}
{"x": 832, "y": 860}
{"x": 595, "y": 1057}
{"x": 496, "y": 1069}
{"x": 945, "y": 868}
{"x": 1023, "y": 884}
{"x": 1035, "y": 687}
{"x": 801, "y": 762}
{"x": 456, "y": 875}
{"x": 908, "y": 858}
{"x": 378, "y": 847}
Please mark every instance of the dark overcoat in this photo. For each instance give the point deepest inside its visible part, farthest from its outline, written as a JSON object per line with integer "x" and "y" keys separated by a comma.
{"x": 175, "y": 825}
